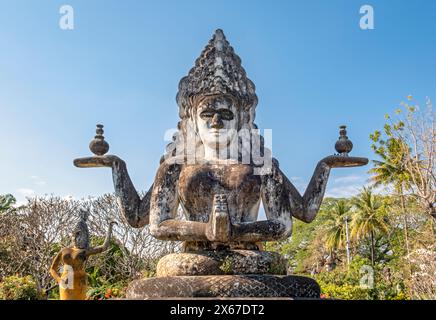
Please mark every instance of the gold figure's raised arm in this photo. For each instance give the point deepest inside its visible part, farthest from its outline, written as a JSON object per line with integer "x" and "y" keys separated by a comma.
{"x": 106, "y": 243}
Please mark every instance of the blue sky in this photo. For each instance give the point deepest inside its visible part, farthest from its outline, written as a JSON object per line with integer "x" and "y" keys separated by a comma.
{"x": 313, "y": 67}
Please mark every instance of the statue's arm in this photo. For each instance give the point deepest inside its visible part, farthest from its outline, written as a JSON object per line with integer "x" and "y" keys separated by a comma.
{"x": 163, "y": 210}
{"x": 280, "y": 189}
{"x": 106, "y": 243}
{"x": 274, "y": 196}
{"x": 304, "y": 207}
{"x": 135, "y": 210}
{"x": 55, "y": 267}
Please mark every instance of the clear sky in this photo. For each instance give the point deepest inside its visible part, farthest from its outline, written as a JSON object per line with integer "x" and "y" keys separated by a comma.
{"x": 313, "y": 67}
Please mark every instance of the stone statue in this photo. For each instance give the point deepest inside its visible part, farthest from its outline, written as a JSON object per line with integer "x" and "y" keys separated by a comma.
{"x": 217, "y": 170}
{"x": 73, "y": 281}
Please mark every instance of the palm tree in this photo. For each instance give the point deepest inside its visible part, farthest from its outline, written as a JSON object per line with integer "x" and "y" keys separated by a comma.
{"x": 336, "y": 235}
{"x": 391, "y": 171}
{"x": 368, "y": 218}
{"x": 335, "y": 227}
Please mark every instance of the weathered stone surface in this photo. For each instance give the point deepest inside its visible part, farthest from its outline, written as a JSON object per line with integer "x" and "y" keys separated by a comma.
{"x": 221, "y": 262}
{"x": 218, "y": 170}
{"x": 224, "y": 286}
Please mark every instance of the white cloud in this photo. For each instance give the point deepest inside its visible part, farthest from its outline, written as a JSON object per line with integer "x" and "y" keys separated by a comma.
{"x": 68, "y": 198}
{"x": 38, "y": 181}
{"x": 343, "y": 192}
{"x": 353, "y": 190}
{"x": 295, "y": 178}
{"x": 26, "y": 192}
{"x": 20, "y": 203}
{"x": 349, "y": 179}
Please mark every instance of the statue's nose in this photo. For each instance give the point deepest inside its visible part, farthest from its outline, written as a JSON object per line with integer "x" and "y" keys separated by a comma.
{"x": 217, "y": 122}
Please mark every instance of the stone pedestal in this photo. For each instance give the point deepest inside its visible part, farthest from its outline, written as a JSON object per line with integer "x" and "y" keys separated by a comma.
{"x": 221, "y": 262}
{"x": 224, "y": 286}
{"x": 223, "y": 274}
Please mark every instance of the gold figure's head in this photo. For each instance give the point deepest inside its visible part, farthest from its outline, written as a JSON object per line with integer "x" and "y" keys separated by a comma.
{"x": 80, "y": 236}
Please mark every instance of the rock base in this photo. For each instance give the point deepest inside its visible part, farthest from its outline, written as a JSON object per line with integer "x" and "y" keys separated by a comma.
{"x": 229, "y": 286}
{"x": 224, "y": 262}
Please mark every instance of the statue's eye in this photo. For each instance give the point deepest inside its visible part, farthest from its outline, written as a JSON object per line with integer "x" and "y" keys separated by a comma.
{"x": 226, "y": 115}
{"x": 207, "y": 114}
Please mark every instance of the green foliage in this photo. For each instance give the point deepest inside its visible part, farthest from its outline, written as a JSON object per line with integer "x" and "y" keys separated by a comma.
{"x": 106, "y": 279}
{"x": 101, "y": 268}
{"x": 6, "y": 202}
{"x": 108, "y": 291}
{"x": 344, "y": 292}
{"x": 345, "y": 283}
{"x": 18, "y": 288}
{"x": 334, "y": 224}
{"x": 305, "y": 242}
{"x": 227, "y": 266}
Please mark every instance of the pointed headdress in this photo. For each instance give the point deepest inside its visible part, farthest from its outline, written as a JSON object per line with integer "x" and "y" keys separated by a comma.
{"x": 217, "y": 71}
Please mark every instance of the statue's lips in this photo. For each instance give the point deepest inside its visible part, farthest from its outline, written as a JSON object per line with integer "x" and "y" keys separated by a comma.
{"x": 218, "y": 132}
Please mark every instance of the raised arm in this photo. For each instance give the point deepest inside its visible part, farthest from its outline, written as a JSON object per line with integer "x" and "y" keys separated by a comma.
{"x": 164, "y": 205}
{"x": 105, "y": 245}
{"x": 135, "y": 210}
{"x": 307, "y": 206}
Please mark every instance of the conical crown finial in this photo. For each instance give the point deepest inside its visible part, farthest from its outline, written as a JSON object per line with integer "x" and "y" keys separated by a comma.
{"x": 219, "y": 34}
{"x": 217, "y": 70}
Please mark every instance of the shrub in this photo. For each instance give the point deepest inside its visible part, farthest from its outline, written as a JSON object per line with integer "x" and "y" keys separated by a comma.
{"x": 108, "y": 291}
{"x": 18, "y": 288}
{"x": 344, "y": 292}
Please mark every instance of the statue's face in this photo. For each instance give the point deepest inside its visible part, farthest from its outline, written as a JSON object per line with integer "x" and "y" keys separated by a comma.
{"x": 80, "y": 239}
{"x": 217, "y": 121}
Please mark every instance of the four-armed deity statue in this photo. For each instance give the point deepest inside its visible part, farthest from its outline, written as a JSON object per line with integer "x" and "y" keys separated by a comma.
{"x": 73, "y": 280}
{"x": 218, "y": 170}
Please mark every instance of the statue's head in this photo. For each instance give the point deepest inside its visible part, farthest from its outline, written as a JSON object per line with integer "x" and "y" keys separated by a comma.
{"x": 216, "y": 120}
{"x": 216, "y": 99}
{"x": 80, "y": 236}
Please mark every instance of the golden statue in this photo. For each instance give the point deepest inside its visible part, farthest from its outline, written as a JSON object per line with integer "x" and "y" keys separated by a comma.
{"x": 73, "y": 280}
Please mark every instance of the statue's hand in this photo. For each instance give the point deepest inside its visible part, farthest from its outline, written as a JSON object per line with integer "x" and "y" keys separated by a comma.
{"x": 219, "y": 226}
{"x": 344, "y": 161}
{"x": 98, "y": 161}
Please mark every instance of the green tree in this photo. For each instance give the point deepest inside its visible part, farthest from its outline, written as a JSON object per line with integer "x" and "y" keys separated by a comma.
{"x": 6, "y": 202}
{"x": 391, "y": 171}
{"x": 335, "y": 226}
{"x": 412, "y": 130}
{"x": 368, "y": 218}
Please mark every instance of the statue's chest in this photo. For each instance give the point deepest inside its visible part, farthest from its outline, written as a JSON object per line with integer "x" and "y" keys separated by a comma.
{"x": 199, "y": 183}
{"x": 74, "y": 257}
